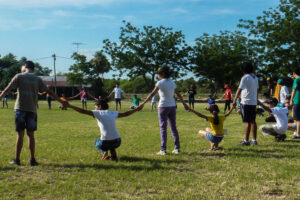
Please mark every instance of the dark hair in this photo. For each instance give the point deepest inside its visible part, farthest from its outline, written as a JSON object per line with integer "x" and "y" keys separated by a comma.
{"x": 29, "y": 65}
{"x": 247, "y": 67}
{"x": 214, "y": 109}
{"x": 164, "y": 71}
{"x": 297, "y": 71}
{"x": 103, "y": 103}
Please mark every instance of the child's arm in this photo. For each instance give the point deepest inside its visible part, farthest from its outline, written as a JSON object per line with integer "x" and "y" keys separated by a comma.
{"x": 41, "y": 93}
{"x": 91, "y": 96}
{"x": 150, "y": 96}
{"x": 87, "y": 112}
{"x": 237, "y": 94}
{"x": 181, "y": 99}
{"x": 264, "y": 107}
{"x": 5, "y": 91}
{"x": 198, "y": 114}
{"x": 125, "y": 114}
{"x": 229, "y": 112}
{"x": 73, "y": 97}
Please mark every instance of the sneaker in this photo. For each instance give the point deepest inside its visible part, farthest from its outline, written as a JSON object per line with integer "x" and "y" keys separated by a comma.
{"x": 162, "y": 153}
{"x": 244, "y": 143}
{"x": 280, "y": 138}
{"x": 33, "y": 162}
{"x": 296, "y": 137}
{"x": 253, "y": 142}
{"x": 175, "y": 151}
{"x": 15, "y": 162}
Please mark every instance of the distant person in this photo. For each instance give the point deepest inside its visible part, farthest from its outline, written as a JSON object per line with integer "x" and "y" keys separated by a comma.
{"x": 211, "y": 101}
{"x": 270, "y": 87}
{"x": 214, "y": 135}
{"x": 228, "y": 96}
{"x": 83, "y": 98}
{"x": 118, "y": 95}
{"x": 28, "y": 85}
{"x": 279, "y": 129}
{"x": 136, "y": 101}
{"x": 295, "y": 101}
{"x": 110, "y": 138}
{"x": 283, "y": 93}
{"x": 192, "y": 92}
{"x": 153, "y": 102}
{"x": 248, "y": 89}
{"x": 166, "y": 89}
{"x": 4, "y": 101}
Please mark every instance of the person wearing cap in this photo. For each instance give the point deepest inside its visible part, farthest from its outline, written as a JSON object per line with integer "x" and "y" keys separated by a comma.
{"x": 166, "y": 89}
{"x": 228, "y": 96}
{"x": 28, "y": 86}
{"x": 295, "y": 101}
{"x": 192, "y": 92}
{"x": 279, "y": 129}
{"x": 283, "y": 93}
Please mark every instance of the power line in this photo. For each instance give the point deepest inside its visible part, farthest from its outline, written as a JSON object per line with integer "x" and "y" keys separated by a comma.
{"x": 43, "y": 58}
{"x": 77, "y": 44}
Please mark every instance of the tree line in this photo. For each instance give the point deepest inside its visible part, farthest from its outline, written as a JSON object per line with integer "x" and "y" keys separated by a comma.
{"x": 271, "y": 42}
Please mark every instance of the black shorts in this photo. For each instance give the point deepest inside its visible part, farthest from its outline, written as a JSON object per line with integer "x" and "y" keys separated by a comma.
{"x": 296, "y": 112}
{"x": 191, "y": 100}
{"x": 248, "y": 113}
{"x": 118, "y": 100}
{"x": 25, "y": 120}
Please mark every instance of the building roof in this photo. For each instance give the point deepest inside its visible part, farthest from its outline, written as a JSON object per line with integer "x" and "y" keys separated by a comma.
{"x": 61, "y": 81}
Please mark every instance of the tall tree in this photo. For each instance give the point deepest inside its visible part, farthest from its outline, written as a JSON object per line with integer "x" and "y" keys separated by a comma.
{"x": 277, "y": 34}
{"x": 89, "y": 72}
{"x": 142, "y": 52}
{"x": 217, "y": 58}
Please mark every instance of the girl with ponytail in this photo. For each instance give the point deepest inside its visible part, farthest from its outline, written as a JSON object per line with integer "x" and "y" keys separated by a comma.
{"x": 215, "y": 133}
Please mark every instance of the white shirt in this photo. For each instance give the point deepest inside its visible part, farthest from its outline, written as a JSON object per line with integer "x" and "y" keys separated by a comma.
{"x": 249, "y": 86}
{"x": 281, "y": 117}
{"x": 118, "y": 92}
{"x": 107, "y": 123}
{"x": 166, "y": 93}
{"x": 283, "y": 93}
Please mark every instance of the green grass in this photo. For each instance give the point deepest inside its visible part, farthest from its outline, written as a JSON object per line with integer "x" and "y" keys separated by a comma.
{"x": 71, "y": 167}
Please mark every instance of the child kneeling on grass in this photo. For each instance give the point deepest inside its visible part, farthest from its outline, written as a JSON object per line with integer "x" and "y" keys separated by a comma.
{"x": 215, "y": 133}
{"x": 281, "y": 115}
{"x": 110, "y": 138}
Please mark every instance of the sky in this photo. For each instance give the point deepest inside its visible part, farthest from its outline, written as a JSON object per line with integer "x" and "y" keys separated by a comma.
{"x": 36, "y": 29}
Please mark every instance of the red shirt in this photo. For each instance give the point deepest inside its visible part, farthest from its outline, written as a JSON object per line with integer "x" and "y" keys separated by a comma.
{"x": 228, "y": 94}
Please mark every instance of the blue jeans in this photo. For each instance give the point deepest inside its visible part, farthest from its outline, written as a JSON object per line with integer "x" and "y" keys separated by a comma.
{"x": 214, "y": 139}
{"x": 105, "y": 145}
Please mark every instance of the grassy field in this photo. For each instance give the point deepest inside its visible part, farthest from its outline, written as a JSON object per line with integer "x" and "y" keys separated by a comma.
{"x": 71, "y": 168}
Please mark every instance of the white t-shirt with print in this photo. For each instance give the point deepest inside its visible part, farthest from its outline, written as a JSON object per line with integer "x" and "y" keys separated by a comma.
{"x": 281, "y": 117}
{"x": 283, "y": 93}
{"x": 166, "y": 93}
{"x": 118, "y": 93}
{"x": 249, "y": 86}
{"x": 107, "y": 122}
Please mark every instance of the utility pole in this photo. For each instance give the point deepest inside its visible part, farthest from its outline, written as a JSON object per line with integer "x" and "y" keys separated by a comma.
{"x": 54, "y": 59}
{"x": 77, "y": 45}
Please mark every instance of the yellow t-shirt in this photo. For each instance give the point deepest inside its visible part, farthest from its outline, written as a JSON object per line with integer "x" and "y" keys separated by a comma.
{"x": 217, "y": 129}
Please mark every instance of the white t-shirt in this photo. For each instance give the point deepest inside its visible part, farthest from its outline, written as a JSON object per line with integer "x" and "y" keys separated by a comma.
{"x": 118, "y": 93}
{"x": 281, "y": 117}
{"x": 249, "y": 86}
{"x": 107, "y": 123}
{"x": 166, "y": 93}
{"x": 283, "y": 93}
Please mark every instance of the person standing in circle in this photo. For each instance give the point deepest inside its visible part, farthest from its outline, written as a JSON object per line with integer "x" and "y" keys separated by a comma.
{"x": 166, "y": 108}
{"x": 83, "y": 98}
{"x": 118, "y": 95}
{"x": 295, "y": 101}
{"x": 192, "y": 93}
{"x": 228, "y": 96}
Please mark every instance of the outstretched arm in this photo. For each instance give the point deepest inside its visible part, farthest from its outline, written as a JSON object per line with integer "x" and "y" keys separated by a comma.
{"x": 73, "y": 97}
{"x": 87, "y": 112}
{"x": 264, "y": 107}
{"x": 91, "y": 96}
{"x": 154, "y": 91}
{"x": 56, "y": 97}
{"x": 125, "y": 114}
{"x": 5, "y": 91}
{"x": 110, "y": 94}
{"x": 229, "y": 112}
{"x": 198, "y": 114}
{"x": 181, "y": 99}
{"x": 237, "y": 94}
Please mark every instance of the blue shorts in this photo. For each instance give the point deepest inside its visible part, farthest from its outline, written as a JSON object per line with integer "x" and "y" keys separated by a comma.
{"x": 105, "y": 145}
{"x": 4, "y": 99}
{"x": 25, "y": 120}
{"x": 83, "y": 99}
{"x": 214, "y": 139}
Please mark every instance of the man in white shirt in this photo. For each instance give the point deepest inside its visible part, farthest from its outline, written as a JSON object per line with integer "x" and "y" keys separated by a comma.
{"x": 118, "y": 95}
{"x": 248, "y": 90}
{"x": 281, "y": 115}
{"x": 284, "y": 92}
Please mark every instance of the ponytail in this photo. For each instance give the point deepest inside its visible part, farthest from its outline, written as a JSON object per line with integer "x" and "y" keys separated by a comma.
{"x": 216, "y": 118}
{"x": 214, "y": 109}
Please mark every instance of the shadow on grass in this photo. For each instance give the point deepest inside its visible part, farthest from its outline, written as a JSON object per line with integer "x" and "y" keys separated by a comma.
{"x": 143, "y": 159}
{"x": 153, "y": 167}
{"x": 7, "y": 168}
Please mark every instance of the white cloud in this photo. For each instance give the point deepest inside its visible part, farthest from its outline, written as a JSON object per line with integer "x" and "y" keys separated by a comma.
{"x": 223, "y": 12}
{"x": 179, "y": 10}
{"x": 61, "y": 13}
{"x": 12, "y": 24}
